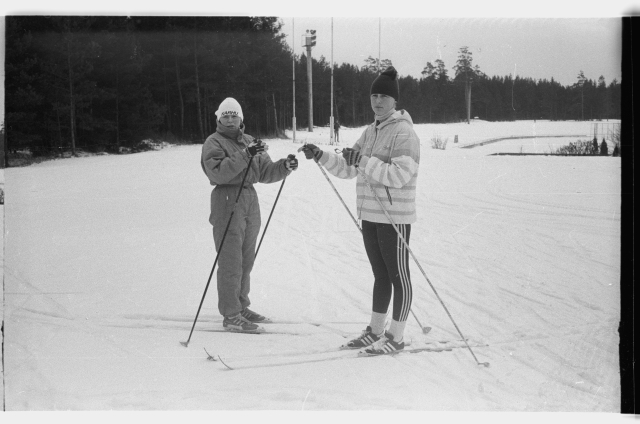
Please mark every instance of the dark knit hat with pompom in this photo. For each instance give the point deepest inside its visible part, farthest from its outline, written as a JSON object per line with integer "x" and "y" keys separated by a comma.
{"x": 386, "y": 83}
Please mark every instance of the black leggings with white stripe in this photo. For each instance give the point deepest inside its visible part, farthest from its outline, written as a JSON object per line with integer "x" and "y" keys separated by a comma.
{"x": 389, "y": 260}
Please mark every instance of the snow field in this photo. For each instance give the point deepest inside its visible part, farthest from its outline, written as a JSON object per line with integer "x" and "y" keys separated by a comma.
{"x": 107, "y": 257}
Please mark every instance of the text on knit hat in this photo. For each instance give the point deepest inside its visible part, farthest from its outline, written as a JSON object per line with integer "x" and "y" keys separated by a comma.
{"x": 229, "y": 106}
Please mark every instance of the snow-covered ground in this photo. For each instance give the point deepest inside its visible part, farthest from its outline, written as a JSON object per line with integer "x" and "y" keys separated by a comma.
{"x": 107, "y": 258}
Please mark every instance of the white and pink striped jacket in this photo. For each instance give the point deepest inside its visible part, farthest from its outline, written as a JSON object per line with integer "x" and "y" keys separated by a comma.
{"x": 390, "y": 160}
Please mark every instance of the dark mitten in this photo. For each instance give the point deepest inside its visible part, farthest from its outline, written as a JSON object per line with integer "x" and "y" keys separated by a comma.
{"x": 351, "y": 156}
{"x": 291, "y": 163}
{"x": 311, "y": 151}
{"x": 255, "y": 148}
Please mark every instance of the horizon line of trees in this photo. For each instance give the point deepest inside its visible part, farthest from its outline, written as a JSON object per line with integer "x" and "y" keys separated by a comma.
{"x": 107, "y": 82}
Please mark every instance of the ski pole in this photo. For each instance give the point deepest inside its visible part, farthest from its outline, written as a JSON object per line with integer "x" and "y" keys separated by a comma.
{"x": 269, "y": 220}
{"x": 186, "y": 344}
{"x": 272, "y": 209}
{"x": 366, "y": 180}
{"x": 337, "y": 194}
{"x": 425, "y": 330}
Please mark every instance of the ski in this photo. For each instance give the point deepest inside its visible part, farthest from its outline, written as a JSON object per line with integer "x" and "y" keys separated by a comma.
{"x": 175, "y": 322}
{"x": 432, "y": 348}
{"x": 319, "y": 325}
{"x": 324, "y": 326}
{"x": 291, "y": 328}
{"x": 267, "y": 330}
{"x": 282, "y": 360}
{"x": 218, "y": 320}
{"x": 425, "y": 330}
{"x": 345, "y": 347}
{"x": 258, "y": 331}
{"x": 221, "y": 329}
{"x": 280, "y": 355}
{"x": 332, "y": 355}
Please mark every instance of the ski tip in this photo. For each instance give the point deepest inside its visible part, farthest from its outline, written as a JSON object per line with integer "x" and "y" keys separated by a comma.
{"x": 345, "y": 347}
{"x": 209, "y": 357}
{"x": 223, "y": 363}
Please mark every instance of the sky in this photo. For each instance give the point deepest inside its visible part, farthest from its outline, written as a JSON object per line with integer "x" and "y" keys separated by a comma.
{"x": 538, "y": 48}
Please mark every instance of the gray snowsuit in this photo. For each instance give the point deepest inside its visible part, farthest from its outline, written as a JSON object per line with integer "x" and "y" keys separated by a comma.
{"x": 224, "y": 161}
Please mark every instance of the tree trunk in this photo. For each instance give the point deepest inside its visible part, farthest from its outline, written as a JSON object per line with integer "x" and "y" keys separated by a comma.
{"x": 5, "y": 149}
{"x": 353, "y": 107}
{"x": 195, "y": 63}
{"x": 466, "y": 97}
{"x": 59, "y": 131}
{"x": 167, "y": 99}
{"x": 469, "y": 105}
{"x": 117, "y": 109}
{"x": 206, "y": 112}
{"x": 275, "y": 114}
{"x": 72, "y": 103}
{"x": 179, "y": 91}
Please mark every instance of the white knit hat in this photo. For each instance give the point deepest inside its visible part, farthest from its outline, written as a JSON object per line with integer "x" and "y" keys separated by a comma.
{"x": 229, "y": 106}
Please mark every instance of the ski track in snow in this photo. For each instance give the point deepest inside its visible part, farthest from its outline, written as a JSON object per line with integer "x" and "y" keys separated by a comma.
{"x": 107, "y": 257}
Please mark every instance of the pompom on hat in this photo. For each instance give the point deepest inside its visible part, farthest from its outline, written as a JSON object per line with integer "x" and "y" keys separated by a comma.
{"x": 229, "y": 106}
{"x": 386, "y": 83}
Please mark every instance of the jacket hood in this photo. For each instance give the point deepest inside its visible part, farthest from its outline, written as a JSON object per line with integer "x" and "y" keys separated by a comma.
{"x": 398, "y": 116}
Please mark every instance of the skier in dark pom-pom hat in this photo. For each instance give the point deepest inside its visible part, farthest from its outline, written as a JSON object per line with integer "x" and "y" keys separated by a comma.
{"x": 388, "y": 153}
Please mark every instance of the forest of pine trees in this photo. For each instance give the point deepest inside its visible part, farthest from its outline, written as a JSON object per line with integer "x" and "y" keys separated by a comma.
{"x": 100, "y": 83}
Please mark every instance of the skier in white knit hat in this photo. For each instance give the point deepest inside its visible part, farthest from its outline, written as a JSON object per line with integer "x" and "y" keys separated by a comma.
{"x": 225, "y": 157}
{"x": 229, "y": 107}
